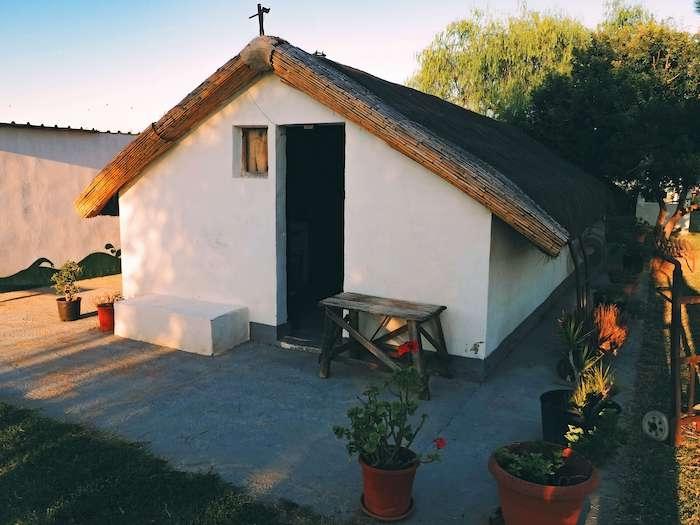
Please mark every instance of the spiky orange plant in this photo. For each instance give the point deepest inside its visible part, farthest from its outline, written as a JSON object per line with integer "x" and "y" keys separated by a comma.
{"x": 612, "y": 332}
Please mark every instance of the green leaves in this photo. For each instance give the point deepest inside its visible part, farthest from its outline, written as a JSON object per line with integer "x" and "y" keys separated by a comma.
{"x": 601, "y": 442}
{"x": 622, "y": 101}
{"x": 627, "y": 110}
{"x": 381, "y": 428}
{"x": 537, "y": 466}
{"x": 492, "y": 66}
{"x": 64, "y": 280}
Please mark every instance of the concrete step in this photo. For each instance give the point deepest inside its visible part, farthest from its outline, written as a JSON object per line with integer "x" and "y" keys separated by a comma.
{"x": 190, "y": 325}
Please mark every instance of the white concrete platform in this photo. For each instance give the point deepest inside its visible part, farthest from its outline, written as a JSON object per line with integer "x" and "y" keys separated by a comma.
{"x": 194, "y": 326}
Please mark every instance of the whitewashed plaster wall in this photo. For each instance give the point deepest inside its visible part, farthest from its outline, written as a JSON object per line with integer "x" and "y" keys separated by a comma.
{"x": 411, "y": 235}
{"x": 192, "y": 228}
{"x": 521, "y": 277}
{"x": 42, "y": 171}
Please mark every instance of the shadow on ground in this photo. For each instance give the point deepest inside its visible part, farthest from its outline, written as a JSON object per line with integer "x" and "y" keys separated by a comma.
{"x": 260, "y": 416}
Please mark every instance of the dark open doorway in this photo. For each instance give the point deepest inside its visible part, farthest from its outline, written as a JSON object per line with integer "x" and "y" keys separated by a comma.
{"x": 315, "y": 188}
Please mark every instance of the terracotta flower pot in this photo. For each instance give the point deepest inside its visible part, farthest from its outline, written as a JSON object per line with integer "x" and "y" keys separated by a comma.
{"x": 387, "y": 493}
{"x": 68, "y": 310}
{"x": 526, "y": 503}
{"x": 105, "y": 315}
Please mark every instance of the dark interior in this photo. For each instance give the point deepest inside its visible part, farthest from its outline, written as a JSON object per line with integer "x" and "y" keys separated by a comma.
{"x": 315, "y": 193}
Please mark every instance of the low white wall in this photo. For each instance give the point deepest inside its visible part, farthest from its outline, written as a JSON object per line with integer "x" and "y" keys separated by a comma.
{"x": 42, "y": 171}
{"x": 521, "y": 277}
{"x": 192, "y": 228}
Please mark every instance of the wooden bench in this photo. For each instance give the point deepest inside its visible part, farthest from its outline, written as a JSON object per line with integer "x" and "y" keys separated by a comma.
{"x": 417, "y": 317}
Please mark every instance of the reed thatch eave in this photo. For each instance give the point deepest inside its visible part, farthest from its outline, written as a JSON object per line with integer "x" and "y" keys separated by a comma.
{"x": 361, "y": 99}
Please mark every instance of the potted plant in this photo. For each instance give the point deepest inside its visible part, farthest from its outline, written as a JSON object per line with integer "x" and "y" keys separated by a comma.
{"x": 542, "y": 483}
{"x": 65, "y": 284}
{"x": 381, "y": 433}
{"x": 589, "y": 347}
{"x": 105, "y": 310}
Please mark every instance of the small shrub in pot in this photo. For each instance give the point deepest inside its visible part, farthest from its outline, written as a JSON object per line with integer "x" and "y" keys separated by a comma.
{"x": 65, "y": 284}
{"x": 381, "y": 432}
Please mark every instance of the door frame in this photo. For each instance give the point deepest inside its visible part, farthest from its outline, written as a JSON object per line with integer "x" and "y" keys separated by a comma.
{"x": 280, "y": 145}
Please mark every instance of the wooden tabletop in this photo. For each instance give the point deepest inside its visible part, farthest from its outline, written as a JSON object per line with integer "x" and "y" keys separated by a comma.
{"x": 407, "y": 310}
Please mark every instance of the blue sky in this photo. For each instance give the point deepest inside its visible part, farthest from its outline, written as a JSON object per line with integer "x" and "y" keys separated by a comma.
{"x": 122, "y": 64}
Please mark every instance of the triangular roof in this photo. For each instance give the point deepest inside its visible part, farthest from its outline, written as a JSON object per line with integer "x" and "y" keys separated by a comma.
{"x": 545, "y": 198}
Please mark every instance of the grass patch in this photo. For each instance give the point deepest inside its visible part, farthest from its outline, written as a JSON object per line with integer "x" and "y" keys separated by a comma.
{"x": 661, "y": 483}
{"x": 52, "y": 472}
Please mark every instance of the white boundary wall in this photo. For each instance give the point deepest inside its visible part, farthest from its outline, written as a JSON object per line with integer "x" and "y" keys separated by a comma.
{"x": 42, "y": 171}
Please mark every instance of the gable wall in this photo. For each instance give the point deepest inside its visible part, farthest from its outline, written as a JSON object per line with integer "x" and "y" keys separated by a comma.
{"x": 192, "y": 229}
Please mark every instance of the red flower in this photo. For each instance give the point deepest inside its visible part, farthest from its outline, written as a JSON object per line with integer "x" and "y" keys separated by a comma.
{"x": 440, "y": 443}
{"x": 405, "y": 348}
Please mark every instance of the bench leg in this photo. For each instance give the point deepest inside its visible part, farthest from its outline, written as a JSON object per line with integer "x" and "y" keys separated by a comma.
{"x": 330, "y": 336}
{"x": 354, "y": 321}
{"x": 442, "y": 348}
{"x": 414, "y": 335}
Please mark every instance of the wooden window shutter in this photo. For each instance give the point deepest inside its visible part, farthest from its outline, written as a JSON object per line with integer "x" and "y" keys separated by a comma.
{"x": 255, "y": 150}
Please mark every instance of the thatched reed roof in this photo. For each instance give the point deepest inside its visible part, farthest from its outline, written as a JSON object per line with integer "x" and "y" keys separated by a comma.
{"x": 543, "y": 197}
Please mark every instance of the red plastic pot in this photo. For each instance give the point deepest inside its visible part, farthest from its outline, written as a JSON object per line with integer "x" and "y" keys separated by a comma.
{"x": 387, "y": 493}
{"x": 526, "y": 503}
{"x": 105, "y": 315}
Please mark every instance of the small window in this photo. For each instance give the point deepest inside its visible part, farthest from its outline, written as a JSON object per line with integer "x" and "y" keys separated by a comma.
{"x": 254, "y": 152}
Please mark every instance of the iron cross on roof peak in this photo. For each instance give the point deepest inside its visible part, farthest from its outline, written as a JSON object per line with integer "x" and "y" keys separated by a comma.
{"x": 262, "y": 11}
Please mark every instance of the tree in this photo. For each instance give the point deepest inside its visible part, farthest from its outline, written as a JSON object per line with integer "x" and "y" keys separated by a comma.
{"x": 621, "y": 101}
{"x": 492, "y": 66}
{"x": 629, "y": 109}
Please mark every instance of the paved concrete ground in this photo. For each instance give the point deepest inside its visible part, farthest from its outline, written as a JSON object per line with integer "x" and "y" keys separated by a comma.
{"x": 259, "y": 415}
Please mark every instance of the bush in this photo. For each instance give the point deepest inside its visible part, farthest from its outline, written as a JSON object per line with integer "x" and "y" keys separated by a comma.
{"x": 65, "y": 280}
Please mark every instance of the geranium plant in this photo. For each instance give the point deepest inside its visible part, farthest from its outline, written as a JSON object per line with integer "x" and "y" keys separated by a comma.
{"x": 384, "y": 426}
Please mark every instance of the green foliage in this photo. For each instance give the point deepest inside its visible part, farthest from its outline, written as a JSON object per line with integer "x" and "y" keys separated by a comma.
{"x": 595, "y": 386}
{"x": 628, "y": 109}
{"x": 579, "y": 355}
{"x": 601, "y": 442}
{"x": 534, "y": 464}
{"x": 622, "y": 101}
{"x": 65, "y": 280}
{"x": 598, "y": 437}
{"x": 492, "y": 66}
{"x": 381, "y": 430}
